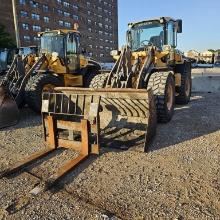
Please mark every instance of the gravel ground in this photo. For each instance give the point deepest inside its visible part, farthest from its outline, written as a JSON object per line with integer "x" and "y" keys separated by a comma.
{"x": 179, "y": 177}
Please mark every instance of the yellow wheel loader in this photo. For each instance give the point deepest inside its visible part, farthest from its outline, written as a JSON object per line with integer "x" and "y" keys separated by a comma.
{"x": 150, "y": 60}
{"x": 60, "y": 63}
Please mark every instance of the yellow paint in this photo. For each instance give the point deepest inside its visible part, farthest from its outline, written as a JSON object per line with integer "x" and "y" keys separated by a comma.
{"x": 73, "y": 80}
{"x": 83, "y": 61}
{"x": 177, "y": 79}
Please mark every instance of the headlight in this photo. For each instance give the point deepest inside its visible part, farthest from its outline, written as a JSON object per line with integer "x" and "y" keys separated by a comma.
{"x": 166, "y": 48}
{"x": 114, "y": 53}
{"x": 55, "y": 55}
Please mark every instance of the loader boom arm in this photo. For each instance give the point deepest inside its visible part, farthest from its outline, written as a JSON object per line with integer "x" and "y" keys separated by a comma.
{"x": 128, "y": 72}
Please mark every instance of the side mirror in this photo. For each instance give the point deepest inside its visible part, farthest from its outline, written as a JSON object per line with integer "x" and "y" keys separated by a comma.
{"x": 179, "y": 26}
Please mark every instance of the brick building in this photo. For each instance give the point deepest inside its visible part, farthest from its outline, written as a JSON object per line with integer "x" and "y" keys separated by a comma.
{"x": 97, "y": 19}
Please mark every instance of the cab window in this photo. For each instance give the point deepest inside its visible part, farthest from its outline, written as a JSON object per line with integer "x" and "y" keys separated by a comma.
{"x": 71, "y": 45}
{"x": 171, "y": 34}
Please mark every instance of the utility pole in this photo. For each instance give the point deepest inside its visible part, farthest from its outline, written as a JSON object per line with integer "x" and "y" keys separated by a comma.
{"x": 16, "y": 24}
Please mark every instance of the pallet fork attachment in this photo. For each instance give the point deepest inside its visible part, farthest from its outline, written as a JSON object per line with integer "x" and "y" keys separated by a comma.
{"x": 60, "y": 129}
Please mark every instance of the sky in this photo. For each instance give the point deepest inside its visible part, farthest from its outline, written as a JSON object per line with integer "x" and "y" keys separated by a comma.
{"x": 201, "y": 20}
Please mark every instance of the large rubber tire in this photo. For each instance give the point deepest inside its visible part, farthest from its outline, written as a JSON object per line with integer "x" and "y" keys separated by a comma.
{"x": 163, "y": 87}
{"x": 99, "y": 81}
{"x": 34, "y": 88}
{"x": 90, "y": 74}
{"x": 184, "y": 91}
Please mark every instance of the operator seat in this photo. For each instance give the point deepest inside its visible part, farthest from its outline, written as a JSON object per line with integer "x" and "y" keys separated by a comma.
{"x": 157, "y": 40}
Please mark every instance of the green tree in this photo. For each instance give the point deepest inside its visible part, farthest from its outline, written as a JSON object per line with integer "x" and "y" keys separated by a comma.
{"x": 6, "y": 40}
{"x": 211, "y": 50}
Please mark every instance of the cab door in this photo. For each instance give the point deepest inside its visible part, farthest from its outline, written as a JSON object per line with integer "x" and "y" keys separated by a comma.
{"x": 171, "y": 34}
{"x": 72, "y": 53}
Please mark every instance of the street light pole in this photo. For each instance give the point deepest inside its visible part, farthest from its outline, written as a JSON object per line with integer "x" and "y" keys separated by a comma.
{"x": 16, "y": 24}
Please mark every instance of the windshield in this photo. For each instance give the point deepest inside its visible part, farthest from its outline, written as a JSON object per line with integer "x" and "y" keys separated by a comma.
{"x": 27, "y": 50}
{"x": 52, "y": 42}
{"x": 147, "y": 33}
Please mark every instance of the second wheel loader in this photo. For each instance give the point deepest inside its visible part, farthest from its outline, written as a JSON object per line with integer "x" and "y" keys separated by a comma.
{"x": 61, "y": 62}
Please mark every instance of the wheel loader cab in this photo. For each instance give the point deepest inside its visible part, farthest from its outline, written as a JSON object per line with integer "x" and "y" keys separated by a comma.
{"x": 63, "y": 45}
{"x": 158, "y": 32}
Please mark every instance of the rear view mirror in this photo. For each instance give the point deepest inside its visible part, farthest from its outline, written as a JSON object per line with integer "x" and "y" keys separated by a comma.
{"x": 179, "y": 26}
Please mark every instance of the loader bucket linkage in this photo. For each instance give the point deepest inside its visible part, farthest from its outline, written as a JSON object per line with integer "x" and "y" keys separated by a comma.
{"x": 85, "y": 119}
{"x": 12, "y": 88}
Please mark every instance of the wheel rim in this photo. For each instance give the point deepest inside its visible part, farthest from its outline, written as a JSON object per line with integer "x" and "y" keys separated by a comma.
{"x": 187, "y": 87}
{"x": 48, "y": 88}
{"x": 169, "y": 97}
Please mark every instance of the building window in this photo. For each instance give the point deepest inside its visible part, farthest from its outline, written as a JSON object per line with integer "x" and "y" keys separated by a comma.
{"x": 36, "y": 38}
{"x": 60, "y": 23}
{"x": 36, "y": 28}
{"x": 101, "y": 55}
{"x": 24, "y": 14}
{"x": 67, "y": 24}
{"x": 22, "y": 2}
{"x": 66, "y": 4}
{"x": 25, "y": 26}
{"x": 66, "y": 14}
{"x": 46, "y": 19}
{"x": 59, "y": 12}
{"x": 27, "y": 38}
{"x": 75, "y": 7}
{"x": 34, "y": 4}
{"x": 47, "y": 29}
{"x": 45, "y": 8}
{"x": 35, "y": 16}
{"x": 75, "y": 17}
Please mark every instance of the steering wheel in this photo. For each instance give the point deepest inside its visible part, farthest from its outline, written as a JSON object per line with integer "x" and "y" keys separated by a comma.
{"x": 148, "y": 43}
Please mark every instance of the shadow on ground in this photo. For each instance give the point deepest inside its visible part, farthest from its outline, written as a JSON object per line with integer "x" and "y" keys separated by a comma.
{"x": 201, "y": 117}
